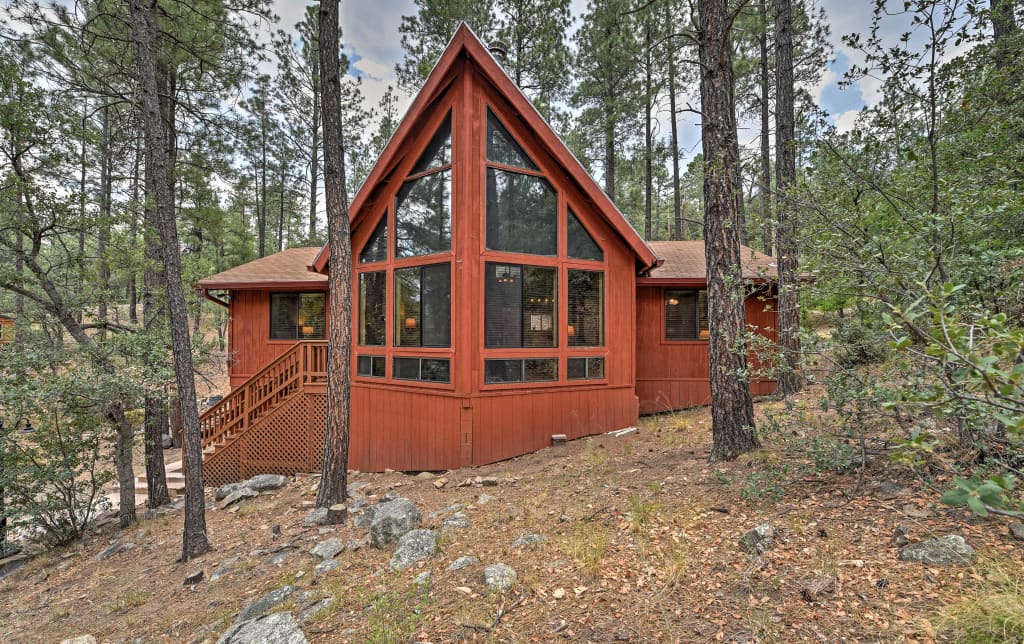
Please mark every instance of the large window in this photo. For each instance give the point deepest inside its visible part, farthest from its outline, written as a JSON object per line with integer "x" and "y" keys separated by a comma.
{"x": 580, "y": 244}
{"x": 298, "y": 316}
{"x": 586, "y": 368}
{"x": 686, "y": 314}
{"x": 372, "y": 303}
{"x": 520, "y": 370}
{"x": 376, "y": 248}
{"x": 423, "y": 306}
{"x": 586, "y": 308}
{"x": 502, "y": 148}
{"x": 520, "y": 306}
{"x": 423, "y": 207}
{"x": 424, "y": 369}
{"x": 522, "y": 213}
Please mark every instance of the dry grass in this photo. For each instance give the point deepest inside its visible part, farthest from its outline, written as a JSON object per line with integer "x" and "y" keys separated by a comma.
{"x": 994, "y": 612}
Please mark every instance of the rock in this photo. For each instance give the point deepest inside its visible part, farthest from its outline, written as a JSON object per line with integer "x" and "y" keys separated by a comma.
{"x": 440, "y": 483}
{"x": 264, "y": 482}
{"x": 316, "y": 516}
{"x": 166, "y": 442}
{"x": 356, "y": 544}
{"x": 393, "y": 519}
{"x": 363, "y": 516}
{"x": 484, "y": 499}
{"x": 113, "y": 549}
{"x": 193, "y": 578}
{"x": 499, "y": 576}
{"x": 225, "y": 490}
{"x": 277, "y": 559}
{"x": 889, "y": 490}
{"x": 328, "y": 549}
{"x": 226, "y": 567}
{"x": 266, "y": 603}
{"x": 900, "y": 535}
{"x": 316, "y": 607}
{"x": 463, "y": 562}
{"x": 81, "y": 639}
{"x": 276, "y": 628}
{"x": 943, "y": 551}
{"x": 759, "y": 540}
{"x": 425, "y": 476}
{"x": 238, "y": 495}
{"x": 455, "y": 507}
{"x": 9, "y": 564}
{"x": 489, "y": 481}
{"x": 1017, "y": 530}
{"x": 414, "y": 546}
{"x": 457, "y": 520}
{"x": 325, "y": 567}
{"x": 422, "y": 579}
{"x": 528, "y": 540}
{"x": 815, "y": 589}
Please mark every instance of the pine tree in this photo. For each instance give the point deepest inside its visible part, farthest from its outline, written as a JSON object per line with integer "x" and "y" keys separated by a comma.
{"x": 426, "y": 33}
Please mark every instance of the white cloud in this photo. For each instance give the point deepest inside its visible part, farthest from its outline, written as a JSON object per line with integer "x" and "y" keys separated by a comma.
{"x": 847, "y": 121}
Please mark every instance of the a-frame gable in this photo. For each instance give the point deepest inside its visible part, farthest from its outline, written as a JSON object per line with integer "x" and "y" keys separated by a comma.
{"x": 440, "y": 80}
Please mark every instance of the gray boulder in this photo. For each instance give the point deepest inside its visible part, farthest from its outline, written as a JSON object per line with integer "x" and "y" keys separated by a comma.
{"x": 325, "y": 567}
{"x": 463, "y": 562}
{"x": 264, "y": 482}
{"x": 1017, "y": 530}
{"x": 414, "y": 546}
{"x": 277, "y": 628}
{"x": 759, "y": 540}
{"x": 225, "y": 490}
{"x": 499, "y": 576}
{"x": 943, "y": 551}
{"x": 328, "y": 549}
{"x": 528, "y": 540}
{"x": 314, "y": 608}
{"x": 457, "y": 520}
{"x": 226, "y": 567}
{"x": 238, "y": 495}
{"x": 316, "y": 516}
{"x": 265, "y": 604}
{"x": 393, "y": 519}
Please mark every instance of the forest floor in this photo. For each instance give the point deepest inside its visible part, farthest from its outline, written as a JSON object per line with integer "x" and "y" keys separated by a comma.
{"x": 641, "y": 544}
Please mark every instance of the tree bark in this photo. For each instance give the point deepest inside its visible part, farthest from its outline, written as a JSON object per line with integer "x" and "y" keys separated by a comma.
{"x": 314, "y": 160}
{"x": 133, "y": 236}
{"x": 609, "y": 153}
{"x": 648, "y": 132}
{"x": 732, "y": 410}
{"x": 103, "y": 225}
{"x": 680, "y": 228}
{"x": 334, "y": 474}
{"x": 789, "y": 381}
{"x": 144, "y": 37}
{"x": 764, "y": 194}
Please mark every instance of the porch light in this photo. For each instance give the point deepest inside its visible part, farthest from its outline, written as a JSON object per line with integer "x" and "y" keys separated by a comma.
{"x": 410, "y": 323}
{"x": 673, "y": 301}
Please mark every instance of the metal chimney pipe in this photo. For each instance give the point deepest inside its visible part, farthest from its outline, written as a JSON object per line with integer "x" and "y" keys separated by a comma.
{"x": 499, "y": 50}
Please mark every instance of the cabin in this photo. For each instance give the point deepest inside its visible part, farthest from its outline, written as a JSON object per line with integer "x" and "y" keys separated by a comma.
{"x": 499, "y": 298}
{"x": 6, "y": 329}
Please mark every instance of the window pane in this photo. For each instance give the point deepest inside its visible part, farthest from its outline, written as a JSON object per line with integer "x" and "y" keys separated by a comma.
{"x": 539, "y": 307}
{"x": 406, "y": 368}
{"x": 522, "y": 213}
{"x": 436, "y": 306}
{"x": 378, "y": 366}
{"x": 586, "y": 308}
{"x": 423, "y": 216}
{"x": 702, "y": 314}
{"x": 312, "y": 316}
{"x": 407, "y": 307}
{"x": 502, "y": 148}
{"x": 498, "y": 371}
{"x": 371, "y": 308}
{"x": 283, "y": 310}
{"x": 680, "y": 315}
{"x": 540, "y": 369}
{"x": 595, "y": 368}
{"x": 376, "y": 248}
{"x": 577, "y": 368}
{"x": 503, "y": 305}
{"x": 439, "y": 150}
{"x": 435, "y": 370}
{"x": 581, "y": 244}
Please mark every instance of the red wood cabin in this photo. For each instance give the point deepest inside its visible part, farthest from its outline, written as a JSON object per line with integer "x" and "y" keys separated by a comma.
{"x": 500, "y": 298}
{"x": 6, "y": 329}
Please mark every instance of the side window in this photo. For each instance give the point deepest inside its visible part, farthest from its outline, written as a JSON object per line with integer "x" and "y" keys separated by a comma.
{"x": 423, "y": 306}
{"x": 520, "y": 306}
{"x": 586, "y": 308}
{"x": 423, "y": 207}
{"x": 372, "y": 303}
{"x": 298, "y": 316}
{"x": 686, "y": 314}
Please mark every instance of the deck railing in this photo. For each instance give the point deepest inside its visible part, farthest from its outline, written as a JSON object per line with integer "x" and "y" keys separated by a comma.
{"x": 303, "y": 364}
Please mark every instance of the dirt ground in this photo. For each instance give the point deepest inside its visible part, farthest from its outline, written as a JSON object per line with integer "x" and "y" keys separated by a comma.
{"x": 641, "y": 545}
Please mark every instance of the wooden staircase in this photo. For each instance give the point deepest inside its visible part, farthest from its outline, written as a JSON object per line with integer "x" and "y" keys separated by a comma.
{"x": 269, "y": 424}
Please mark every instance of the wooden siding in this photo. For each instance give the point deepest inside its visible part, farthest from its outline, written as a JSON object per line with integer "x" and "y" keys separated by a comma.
{"x": 6, "y": 329}
{"x": 674, "y": 375}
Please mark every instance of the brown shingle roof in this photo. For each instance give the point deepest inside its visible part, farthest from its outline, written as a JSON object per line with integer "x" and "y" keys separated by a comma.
{"x": 287, "y": 268}
{"x": 685, "y": 260}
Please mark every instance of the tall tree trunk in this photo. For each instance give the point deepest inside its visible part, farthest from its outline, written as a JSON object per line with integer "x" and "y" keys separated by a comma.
{"x": 79, "y": 283}
{"x": 679, "y": 226}
{"x": 144, "y": 37}
{"x": 314, "y": 159}
{"x": 155, "y": 421}
{"x": 732, "y": 410}
{"x": 280, "y": 212}
{"x": 648, "y": 132}
{"x": 764, "y": 194}
{"x": 133, "y": 236}
{"x": 609, "y": 154}
{"x": 334, "y": 475}
{"x": 785, "y": 176}
{"x": 263, "y": 180}
{"x": 103, "y": 225}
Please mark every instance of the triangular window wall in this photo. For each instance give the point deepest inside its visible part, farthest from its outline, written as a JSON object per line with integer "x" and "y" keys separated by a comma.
{"x": 581, "y": 244}
{"x": 423, "y": 207}
{"x": 502, "y": 148}
{"x": 376, "y": 248}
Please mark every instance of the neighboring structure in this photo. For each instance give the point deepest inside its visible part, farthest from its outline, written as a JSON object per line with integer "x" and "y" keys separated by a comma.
{"x": 496, "y": 292}
{"x": 6, "y": 329}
